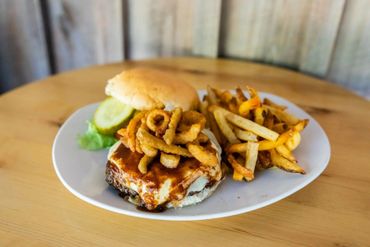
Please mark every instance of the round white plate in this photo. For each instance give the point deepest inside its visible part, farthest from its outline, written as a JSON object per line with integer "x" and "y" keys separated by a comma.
{"x": 83, "y": 173}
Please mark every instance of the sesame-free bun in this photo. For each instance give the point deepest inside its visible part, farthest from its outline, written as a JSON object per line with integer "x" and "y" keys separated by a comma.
{"x": 146, "y": 89}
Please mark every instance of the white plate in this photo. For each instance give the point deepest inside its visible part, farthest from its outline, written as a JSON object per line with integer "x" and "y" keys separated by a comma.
{"x": 83, "y": 173}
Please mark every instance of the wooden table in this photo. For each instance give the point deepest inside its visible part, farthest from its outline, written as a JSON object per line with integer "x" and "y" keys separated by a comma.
{"x": 36, "y": 210}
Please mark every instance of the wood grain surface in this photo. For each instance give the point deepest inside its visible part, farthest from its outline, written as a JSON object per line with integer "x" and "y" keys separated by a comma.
{"x": 36, "y": 210}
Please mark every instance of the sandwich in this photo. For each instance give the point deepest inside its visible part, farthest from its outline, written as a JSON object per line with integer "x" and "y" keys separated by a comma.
{"x": 165, "y": 156}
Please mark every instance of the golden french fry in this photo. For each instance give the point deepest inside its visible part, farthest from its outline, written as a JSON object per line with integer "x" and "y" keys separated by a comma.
{"x": 293, "y": 142}
{"x": 237, "y": 148}
{"x": 239, "y": 168}
{"x": 217, "y": 92}
{"x": 233, "y": 106}
{"x": 258, "y": 115}
{"x": 266, "y": 145}
{"x": 282, "y": 115}
{"x": 224, "y": 126}
{"x": 143, "y": 164}
{"x": 206, "y": 157}
{"x": 272, "y": 104}
{"x": 269, "y": 120}
{"x": 282, "y": 163}
{"x": 240, "y": 97}
{"x": 169, "y": 135}
{"x": 248, "y": 105}
{"x": 251, "y": 155}
{"x": 211, "y": 96}
{"x": 132, "y": 128}
{"x": 249, "y": 125}
{"x": 253, "y": 92}
{"x": 169, "y": 160}
{"x": 146, "y": 138}
{"x": 300, "y": 125}
{"x": 237, "y": 176}
{"x": 148, "y": 150}
{"x": 283, "y": 138}
{"x": 188, "y": 136}
{"x": 285, "y": 152}
{"x": 245, "y": 135}
{"x": 226, "y": 96}
{"x": 215, "y": 129}
{"x": 280, "y": 127}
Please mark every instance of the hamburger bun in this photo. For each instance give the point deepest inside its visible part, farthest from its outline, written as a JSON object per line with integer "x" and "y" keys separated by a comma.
{"x": 146, "y": 89}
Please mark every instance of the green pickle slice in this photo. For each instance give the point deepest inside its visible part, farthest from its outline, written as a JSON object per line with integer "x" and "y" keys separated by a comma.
{"x": 111, "y": 115}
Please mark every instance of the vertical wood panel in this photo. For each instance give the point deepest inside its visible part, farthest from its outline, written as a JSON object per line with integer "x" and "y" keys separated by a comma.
{"x": 23, "y": 52}
{"x": 351, "y": 58}
{"x": 298, "y": 34}
{"x": 165, "y": 28}
{"x": 86, "y": 32}
{"x": 207, "y": 27}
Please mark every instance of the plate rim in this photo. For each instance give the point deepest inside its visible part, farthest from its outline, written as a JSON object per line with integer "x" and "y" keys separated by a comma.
{"x": 154, "y": 216}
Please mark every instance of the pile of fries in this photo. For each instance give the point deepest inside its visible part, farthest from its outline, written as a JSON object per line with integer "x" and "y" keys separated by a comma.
{"x": 253, "y": 133}
{"x": 168, "y": 135}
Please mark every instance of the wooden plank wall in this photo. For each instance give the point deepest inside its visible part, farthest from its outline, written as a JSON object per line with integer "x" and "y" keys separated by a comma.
{"x": 350, "y": 63}
{"x": 299, "y": 34}
{"x": 23, "y": 51}
{"x": 85, "y": 32}
{"x": 326, "y": 38}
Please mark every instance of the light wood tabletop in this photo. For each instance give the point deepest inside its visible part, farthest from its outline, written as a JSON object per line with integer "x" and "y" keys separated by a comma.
{"x": 36, "y": 210}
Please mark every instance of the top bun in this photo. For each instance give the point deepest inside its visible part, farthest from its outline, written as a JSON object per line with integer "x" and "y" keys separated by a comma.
{"x": 146, "y": 89}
